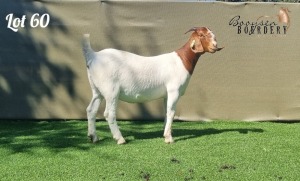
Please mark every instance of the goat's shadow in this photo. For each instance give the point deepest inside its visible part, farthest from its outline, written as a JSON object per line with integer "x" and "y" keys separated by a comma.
{"x": 185, "y": 134}
{"x": 181, "y": 134}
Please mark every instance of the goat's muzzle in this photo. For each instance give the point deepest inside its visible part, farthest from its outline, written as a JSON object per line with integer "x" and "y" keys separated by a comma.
{"x": 218, "y": 49}
{"x": 215, "y": 49}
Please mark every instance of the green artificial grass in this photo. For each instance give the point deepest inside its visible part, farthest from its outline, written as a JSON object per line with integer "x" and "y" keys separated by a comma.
{"x": 220, "y": 150}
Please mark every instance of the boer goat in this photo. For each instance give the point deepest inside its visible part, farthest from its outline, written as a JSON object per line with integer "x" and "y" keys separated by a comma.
{"x": 115, "y": 74}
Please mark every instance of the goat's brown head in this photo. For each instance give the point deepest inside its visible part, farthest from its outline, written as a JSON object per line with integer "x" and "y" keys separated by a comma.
{"x": 203, "y": 40}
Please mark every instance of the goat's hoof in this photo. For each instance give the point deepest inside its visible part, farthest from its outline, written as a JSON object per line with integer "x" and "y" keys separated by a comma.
{"x": 169, "y": 140}
{"x": 93, "y": 138}
{"x": 121, "y": 141}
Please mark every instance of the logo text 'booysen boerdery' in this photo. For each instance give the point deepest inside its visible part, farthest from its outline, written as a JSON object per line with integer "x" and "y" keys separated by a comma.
{"x": 259, "y": 27}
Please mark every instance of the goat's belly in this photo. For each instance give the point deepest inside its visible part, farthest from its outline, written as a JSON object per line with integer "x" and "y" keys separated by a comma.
{"x": 137, "y": 96}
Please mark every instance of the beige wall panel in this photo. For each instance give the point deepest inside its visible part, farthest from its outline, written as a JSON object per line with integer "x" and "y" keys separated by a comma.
{"x": 255, "y": 77}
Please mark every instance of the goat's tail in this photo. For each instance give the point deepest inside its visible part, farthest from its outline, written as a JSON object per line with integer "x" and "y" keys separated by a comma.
{"x": 87, "y": 49}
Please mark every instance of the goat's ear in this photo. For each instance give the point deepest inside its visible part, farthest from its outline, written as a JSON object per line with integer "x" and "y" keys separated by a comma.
{"x": 192, "y": 45}
{"x": 196, "y": 45}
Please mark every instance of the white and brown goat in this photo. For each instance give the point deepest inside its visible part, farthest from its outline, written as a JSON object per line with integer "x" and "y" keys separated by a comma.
{"x": 118, "y": 75}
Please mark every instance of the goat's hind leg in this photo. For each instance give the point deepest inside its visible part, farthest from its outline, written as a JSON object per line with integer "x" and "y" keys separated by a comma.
{"x": 110, "y": 116}
{"x": 92, "y": 110}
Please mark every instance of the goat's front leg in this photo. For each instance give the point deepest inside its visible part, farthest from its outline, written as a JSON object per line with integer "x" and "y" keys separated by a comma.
{"x": 171, "y": 107}
{"x": 165, "y": 111}
{"x": 110, "y": 116}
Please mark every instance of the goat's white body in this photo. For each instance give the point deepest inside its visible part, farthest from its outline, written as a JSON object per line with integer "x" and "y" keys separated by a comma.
{"x": 137, "y": 78}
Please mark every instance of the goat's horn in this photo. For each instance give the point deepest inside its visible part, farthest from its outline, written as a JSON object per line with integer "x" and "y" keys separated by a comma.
{"x": 192, "y": 29}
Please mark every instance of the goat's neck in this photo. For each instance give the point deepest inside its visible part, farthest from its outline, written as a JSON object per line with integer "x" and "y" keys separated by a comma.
{"x": 188, "y": 57}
